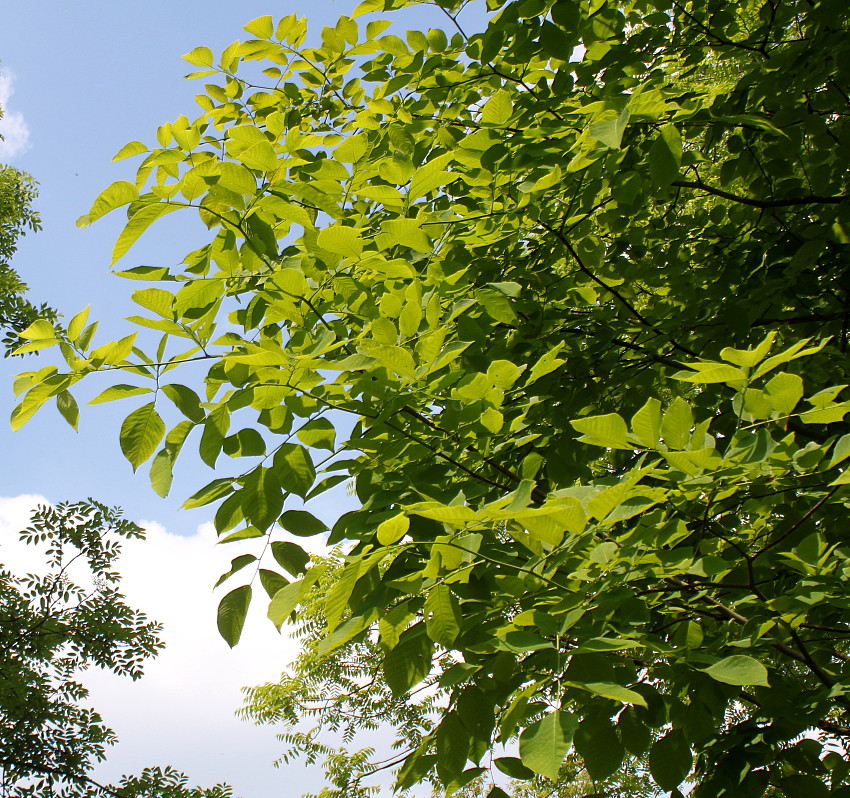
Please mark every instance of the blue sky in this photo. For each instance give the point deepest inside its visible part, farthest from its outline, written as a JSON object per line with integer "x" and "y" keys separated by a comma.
{"x": 77, "y": 81}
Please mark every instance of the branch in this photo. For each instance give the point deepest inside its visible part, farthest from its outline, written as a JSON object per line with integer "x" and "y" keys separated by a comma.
{"x": 797, "y": 525}
{"x": 812, "y": 199}
{"x": 610, "y": 288}
{"x": 537, "y": 493}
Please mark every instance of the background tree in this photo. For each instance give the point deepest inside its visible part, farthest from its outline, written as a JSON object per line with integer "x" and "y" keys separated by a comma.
{"x": 345, "y": 699}
{"x": 578, "y": 282}
{"x": 53, "y": 626}
{"x": 17, "y": 193}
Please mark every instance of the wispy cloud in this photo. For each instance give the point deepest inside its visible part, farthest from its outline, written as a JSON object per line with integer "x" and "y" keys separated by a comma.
{"x": 13, "y": 126}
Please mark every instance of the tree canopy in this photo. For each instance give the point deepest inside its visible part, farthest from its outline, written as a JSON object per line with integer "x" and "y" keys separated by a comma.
{"x": 567, "y": 298}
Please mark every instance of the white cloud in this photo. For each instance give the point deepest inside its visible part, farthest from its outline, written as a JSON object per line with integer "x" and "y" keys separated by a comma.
{"x": 13, "y": 126}
{"x": 181, "y": 712}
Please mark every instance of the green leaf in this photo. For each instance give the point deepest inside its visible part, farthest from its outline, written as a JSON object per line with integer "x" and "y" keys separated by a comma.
{"x": 209, "y": 493}
{"x": 342, "y": 634}
{"x": 793, "y": 352}
{"x": 676, "y": 424}
{"x": 806, "y": 785}
{"x": 237, "y": 564}
{"x": 783, "y": 392}
{"x": 546, "y": 364}
{"x": 739, "y": 670}
{"x": 598, "y": 744}
{"x": 406, "y": 232}
{"x": 186, "y": 401}
{"x": 39, "y": 330}
{"x": 272, "y": 581}
{"x": 261, "y": 27}
{"x": 294, "y": 469}
{"x": 442, "y": 616}
{"x": 244, "y": 443}
{"x": 284, "y": 602}
{"x": 646, "y": 423}
{"x": 132, "y": 148}
{"x": 263, "y": 497}
{"x": 670, "y": 760}
{"x": 841, "y": 451}
{"x": 337, "y": 598}
{"x": 140, "y": 434}
{"x": 137, "y": 224}
{"x": 290, "y": 556}
{"x": 609, "y": 431}
{"x": 161, "y": 473}
{"x": 260, "y": 156}
{"x": 665, "y": 156}
{"x": 749, "y": 357}
{"x": 609, "y": 130}
{"x": 393, "y": 529}
{"x": 706, "y": 373}
{"x": 158, "y": 300}
{"x": 212, "y": 437}
{"x": 318, "y": 433}
{"x": 120, "y": 193}
{"x": 200, "y": 56}
{"x": 634, "y": 732}
{"x": 503, "y": 374}
{"x": 302, "y": 523}
{"x": 616, "y": 692}
{"x": 77, "y": 324}
{"x": 340, "y": 240}
{"x": 425, "y": 180}
{"x": 409, "y": 662}
{"x": 67, "y": 407}
{"x": 543, "y": 745}
{"x": 119, "y": 391}
{"x": 232, "y": 610}
{"x": 513, "y": 767}
{"x": 452, "y": 747}
{"x": 498, "y": 109}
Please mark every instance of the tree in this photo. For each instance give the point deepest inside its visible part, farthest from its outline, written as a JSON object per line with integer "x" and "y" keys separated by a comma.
{"x": 52, "y": 627}
{"x": 568, "y": 300}
{"x": 345, "y": 698}
{"x": 17, "y": 193}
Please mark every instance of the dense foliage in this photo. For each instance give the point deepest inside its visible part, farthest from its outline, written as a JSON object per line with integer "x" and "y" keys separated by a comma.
{"x": 337, "y": 712}
{"x": 433, "y": 261}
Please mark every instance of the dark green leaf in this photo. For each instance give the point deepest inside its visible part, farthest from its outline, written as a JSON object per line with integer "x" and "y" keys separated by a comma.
{"x": 409, "y": 662}
{"x": 302, "y": 523}
{"x": 232, "y": 610}
{"x": 290, "y": 556}
{"x": 670, "y": 760}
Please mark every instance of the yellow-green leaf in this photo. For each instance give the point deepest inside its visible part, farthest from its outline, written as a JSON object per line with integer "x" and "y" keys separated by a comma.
{"x": 345, "y": 241}
{"x": 200, "y": 56}
{"x": 393, "y": 529}
{"x": 498, "y": 109}
{"x": 261, "y": 27}
{"x": 121, "y": 192}
{"x": 608, "y": 430}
